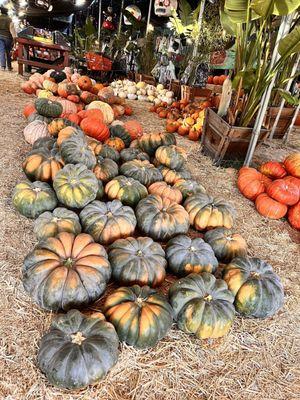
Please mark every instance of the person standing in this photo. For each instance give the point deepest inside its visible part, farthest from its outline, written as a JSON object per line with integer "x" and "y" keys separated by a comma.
{"x": 7, "y": 37}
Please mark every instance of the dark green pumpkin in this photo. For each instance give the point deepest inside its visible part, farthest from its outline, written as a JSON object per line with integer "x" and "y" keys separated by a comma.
{"x": 142, "y": 171}
{"x": 48, "y": 108}
{"x": 149, "y": 143}
{"x": 171, "y": 176}
{"x": 173, "y": 157}
{"x": 37, "y": 117}
{"x": 105, "y": 169}
{"x": 137, "y": 261}
{"x": 58, "y": 76}
{"x": 226, "y": 244}
{"x": 120, "y": 132}
{"x": 188, "y": 187}
{"x": 203, "y": 305}
{"x": 257, "y": 289}
{"x": 186, "y": 255}
{"x": 31, "y": 199}
{"x": 78, "y": 350}
{"x": 140, "y": 315}
{"x": 66, "y": 271}
{"x": 44, "y": 142}
{"x": 109, "y": 152}
{"x": 107, "y": 222}
{"x": 100, "y": 192}
{"x": 128, "y": 190}
{"x": 133, "y": 154}
{"x": 75, "y": 150}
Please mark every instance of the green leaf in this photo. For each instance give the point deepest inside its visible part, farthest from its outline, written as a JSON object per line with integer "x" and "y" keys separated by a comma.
{"x": 185, "y": 12}
{"x": 249, "y": 78}
{"x": 236, "y": 10}
{"x": 290, "y": 99}
{"x": 89, "y": 27}
{"x": 290, "y": 44}
{"x": 228, "y": 25}
{"x": 277, "y": 7}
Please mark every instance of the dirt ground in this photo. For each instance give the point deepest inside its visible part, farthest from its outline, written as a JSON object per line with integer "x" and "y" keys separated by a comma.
{"x": 258, "y": 360}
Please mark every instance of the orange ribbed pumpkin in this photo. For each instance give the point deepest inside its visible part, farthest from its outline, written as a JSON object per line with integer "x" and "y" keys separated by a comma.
{"x": 286, "y": 192}
{"x": 273, "y": 170}
{"x": 269, "y": 207}
{"x": 134, "y": 128}
{"x": 94, "y": 113}
{"x": 292, "y": 164}
{"x": 28, "y": 109}
{"x": 295, "y": 181}
{"x": 294, "y": 216}
{"x": 95, "y": 129}
{"x": 251, "y": 183}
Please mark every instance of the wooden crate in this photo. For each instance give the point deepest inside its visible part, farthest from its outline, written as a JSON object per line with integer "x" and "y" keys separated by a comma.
{"x": 221, "y": 141}
{"x": 145, "y": 78}
{"x": 176, "y": 88}
{"x": 284, "y": 122}
{"x": 189, "y": 93}
{"x": 216, "y": 89}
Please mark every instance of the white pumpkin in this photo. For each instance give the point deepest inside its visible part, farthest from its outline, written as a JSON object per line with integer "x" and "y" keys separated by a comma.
{"x": 142, "y": 98}
{"x": 150, "y": 92}
{"x": 141, "y": 85}
{"x": 35, "y": 130}
{"x": 131, "y": 89}
{"x": 169, "y": 94}
{"x": 157, "y": 101}
{"x": 132, "y": 96}
{"x": 151, "y": 98}
{"x": 159, "y": 87}
{"x": 106, "y": 109}
{"x": 167, "y": 100}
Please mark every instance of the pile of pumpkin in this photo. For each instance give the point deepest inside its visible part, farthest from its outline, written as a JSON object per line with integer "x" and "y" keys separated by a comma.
{"x": 105, "y": 213}
{"x": 216, "y": 79}
{"x": 275, "y": 188}
{"x": 184, "y": 117}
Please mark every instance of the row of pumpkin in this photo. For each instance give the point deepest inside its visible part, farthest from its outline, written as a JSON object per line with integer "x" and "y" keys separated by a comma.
{"x": 113, "y": 195}
{"x": 275, "y": 188}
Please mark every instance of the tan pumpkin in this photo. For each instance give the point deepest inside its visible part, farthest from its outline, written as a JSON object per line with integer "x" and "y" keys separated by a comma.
{"x": 66, "y": 133}
{"x": 68, "y": 106}
{"x": 166, "y": 191}
{"x": 35, "y": 130}
{"x": 50, "y": 86}
{"x": 107, "y": 111}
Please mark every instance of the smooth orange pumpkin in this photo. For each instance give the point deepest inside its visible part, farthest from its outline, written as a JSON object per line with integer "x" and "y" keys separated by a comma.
{"x": 295, "y": 181}
{"x": 294, "y": 216}
{"x": 94, "y": 113}
{"x": 292, "y": 164}
{"x": 134, "y": 128}
{"x": 95, "y": 89}
{"x": 183, "y": 130}
{"x": 85, "y": 83}
{"x": 73, "y": 117}
{"x": 286, "y": 192}
{"x": 269, "y": 207}
{"x": 251, "y": 183}
{"x": 28, "y": 110}
{"x": 194, "y": 134}
{"x": 28, "y": 88}
{"x": 128, "y": 110}
{"x": 95, "y": 129}
{"x": 172, "y": 126}
{"x": 273, "y": 170}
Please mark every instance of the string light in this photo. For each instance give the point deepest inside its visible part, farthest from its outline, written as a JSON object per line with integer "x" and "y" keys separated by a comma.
{"x": 79, "y": 3}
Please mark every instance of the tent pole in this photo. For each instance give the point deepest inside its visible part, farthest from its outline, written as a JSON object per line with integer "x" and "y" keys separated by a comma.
{"x": 287, "y": 134}
{"x": 287, "y": 88}
{"x": 99, "y": 21}
{"x": 121, "y": 18}
{"x": 200, "y": 19}
{"x": 149, "y": 16}
{"x": 283, "y": 30}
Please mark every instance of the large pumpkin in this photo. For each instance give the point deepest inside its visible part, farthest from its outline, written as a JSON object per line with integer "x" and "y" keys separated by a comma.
{"x": 35, "y": 130}
{"x": 31, "y": 199}
{"x": 140, "y": 315}
{"x": 67, "y": 132}
{"x": 44, "y": 142}
{"x": 273, "y": 170}
{"x": 151, "y": 142}
{"x": 292, "y": 164}
{"x": 186, "y": 255}
{"x": 257, "y": 289}
{"x": 133, "y": 154}
{"x": 120, "y": 132}
{"x": 226, "y": 244}
{"x": 269, "y": 207}
{"x": 94, "y": 114}
{"x": 205, "y": 212}
{"x": 107, "y": 111}
{"x": 48, "y": 108}
{"x": 134, "y": 128}
{"x": 251, "y": 183}
{"x": 50, "y": 224}
{"x": 128, "y": 190}
{"x": 164, "y": 190}
{"x": 160, "y": 218}
{"x": 203, "y": 305}
{"x": 75, "y": 150}
{"x": 78, "y": 350}
{"x": 188, "y": 187}
{"x": 137, "y": 261}
{"x": 286, "y": 192}
{"x": 294, "y": 216}
{"x": 95, "y": 128}
{"x": 105, "y": 169}
{"x": 173, "y": 157}
{"x": 109, "y": 152}
{"x": 75, "y": 186}
{"x": 107, "y": 222}
{"x": 42, "y": 164}
{"x": 171, "y": 176}
{"x": 66, "y": 271}
{"x": 142, "y": 171}
{"x": 68, "y": 106}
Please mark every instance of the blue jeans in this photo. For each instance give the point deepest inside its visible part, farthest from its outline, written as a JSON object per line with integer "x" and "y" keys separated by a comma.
{"x": 5, "y": 52}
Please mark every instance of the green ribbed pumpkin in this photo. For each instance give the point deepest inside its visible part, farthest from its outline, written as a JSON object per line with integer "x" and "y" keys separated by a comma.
{"x": 75, "y": 150}
{"x": 75, "y": 186}
{"x": 128, "y": 190}
{"x": 31, "y": 199}
{"x": 188, "y": 187}
{"x": 78, "y": 350}
{"x": 48, "y": 108}
{"x": 142, "y": 171}
{"x": 120, "y": 132}
{"x": 150, "y": 142}
{"x": 140, "y": 315}
{"x": 186, "y": 255}
{"x": 138, "y": 261}
{"x": 173, "y": 157}
{"x": 109, "y": 152}
{"x": 203, "y": 305}
{"x": 105, "y": 169}
{"x": 171, "y": 176}
{"x": 133, "y": 154}
{"x": 257, "y": 289}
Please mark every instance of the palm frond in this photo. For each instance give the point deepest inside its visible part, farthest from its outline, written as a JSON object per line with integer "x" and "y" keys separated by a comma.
{"x": 185, "y": 12}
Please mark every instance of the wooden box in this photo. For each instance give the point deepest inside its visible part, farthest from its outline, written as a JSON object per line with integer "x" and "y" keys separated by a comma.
{"x": 284, "y": 122}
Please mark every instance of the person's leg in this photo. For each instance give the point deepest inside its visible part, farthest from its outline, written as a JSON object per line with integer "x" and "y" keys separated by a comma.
{"x": 2, "y": 54}
{"x": 8, "y": 48}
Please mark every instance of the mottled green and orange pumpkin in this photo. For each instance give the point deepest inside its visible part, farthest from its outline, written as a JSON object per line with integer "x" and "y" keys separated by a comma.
{"x": 31, "y": 199}
{"x": 61, "y": 219}
{"x": 138, "y": 261}
{"x": 164, "y": 190}
{"x": 206, "y": 212}
{"x": 140, "y": 315}
{"x": 109, "y": 152}
{"x": 78, "y": 350}
{"x": 107, "y": 222}
{"x": 203, "y": 305}
{"x": 151, "y": 142}
{"x": 142, "y": 171}
{"x": 133, "y": 154}
{"x": 226, "y": 244}
{"x": 66, "y": 271}
{"x": 118, "y": 131}
{"x": 55, "y": 126}
{"x": 105, "y": 169}
{"x": 67, "y": 133}
{"x": 173, "y": 157}
{"x": 128, "y": 190}
{"x": 42, "y": 164}
{"x": 160, "y": 218}
{"x": 116, "y": 143}
{"x": 75, "y": 186}
{"x": 48, "y": 108}
{"x": 171, "y": 176}
{"x": 75, "y": 150}
{"x": 186, "y": 255}
{"x": 257, "y": 289}
{"x": 188, "y": 187}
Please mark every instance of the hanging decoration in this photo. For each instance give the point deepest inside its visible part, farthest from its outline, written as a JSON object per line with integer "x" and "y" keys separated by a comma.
{"x": 164, "y": 8}
{"x": 108, "y": 19}
{"x": 135, "y": 11}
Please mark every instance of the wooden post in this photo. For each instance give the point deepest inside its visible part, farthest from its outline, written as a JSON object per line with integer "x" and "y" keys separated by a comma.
{"x": 149, "y": 16}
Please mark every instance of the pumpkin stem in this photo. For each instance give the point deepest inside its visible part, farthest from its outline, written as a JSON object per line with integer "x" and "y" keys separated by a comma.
{"x": 208, "y": 297}
{"x": 255, "y": 275}
{"x": 192, "y": 248}
{"x": 139, "y": 301}
{"x": 68, "y": 262}
{"x": 37, "y": 190}
{"x": 139, "y": 253}
{"x": 78, "y": 338}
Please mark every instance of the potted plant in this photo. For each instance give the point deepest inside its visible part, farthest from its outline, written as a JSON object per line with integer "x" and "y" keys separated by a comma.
{"x": 255, "y": 24}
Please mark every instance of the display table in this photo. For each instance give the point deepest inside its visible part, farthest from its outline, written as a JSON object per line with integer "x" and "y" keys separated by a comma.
{"x": 26, "y": 55}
